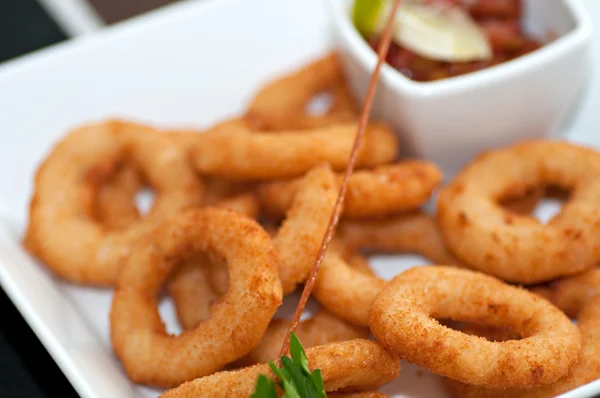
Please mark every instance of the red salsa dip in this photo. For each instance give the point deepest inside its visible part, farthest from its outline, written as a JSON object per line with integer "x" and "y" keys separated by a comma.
{"x": 500, "y": 20}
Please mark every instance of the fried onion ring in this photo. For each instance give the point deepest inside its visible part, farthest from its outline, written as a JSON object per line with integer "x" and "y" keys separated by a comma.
{"x": 402, "y": 319}
{"x": 359, "y": 364}
{"x": 349, "y": 293}
{"x": 583, "y": 372}
{"x": 571, "y": 294}
{"x": 282, "y": 104}
{"x": 322, "y": 328}
{"x": 192, "y": 292}
{"x": 115, "y": 201}
{"x": 246, "y": 155}
{"x": 491, "y": 333}
{"x": 218, "y": 190}
{"x": 299, "y": 238}
{"x": 371, "y": 193}
{"x": 219, "y": 279}
{"x": 514, "y": 247}
{"x": 360, "y": 263}
{"x": 190, "y": 285}
{"x": 246, "y": 204}
{"x": 522, "y": 201}
{"x": 238, "y": 321}
{"x": 345, "y": 291}
{"x": 63, "y": 231}
{"x": 117, "y": 210}
{"x": 414, "y": 232}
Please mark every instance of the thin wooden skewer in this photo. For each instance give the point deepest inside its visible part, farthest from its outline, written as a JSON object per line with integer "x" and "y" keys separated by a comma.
{"x": 335, "y": 216}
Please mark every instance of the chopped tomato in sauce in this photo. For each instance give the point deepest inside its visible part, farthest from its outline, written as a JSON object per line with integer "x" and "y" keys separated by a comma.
{"x": 501, "y": 22}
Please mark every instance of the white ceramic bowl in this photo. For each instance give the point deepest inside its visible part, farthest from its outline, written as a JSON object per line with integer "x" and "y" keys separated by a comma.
{"x": 450, "y": 121}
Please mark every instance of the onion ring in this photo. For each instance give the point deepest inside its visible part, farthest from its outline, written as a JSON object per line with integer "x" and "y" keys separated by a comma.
{"x": 219, "y": 279}
{"x": 360, "y": 364}
{"x": 360, "y": 263}
{"x": 281, "y": 104}
{"x": 246, "y": 204}
{"x": 115, "y": 201}
{"x": 117, "y": 210}
{"x": 63, "y": 231}
{"x": 190, "y": 285}
{"x": 349, "y": 293}
{"x": 345, "y": 291}
{"x": 246, "y": 155}
{"x": 191, "y": 291}
{"x": 523, "y": 200}
{"x": 518, "y": 248}
{"x": 414, "y": 232}
{"x": 299, "y": 238}
{"x": 371, "y": 193}
{"x": 148, "y": 354}
{"x": 320, "y": 329}
{"x": 217, "y": 273}
{"x": 233, "y": 195}
{"x": 218, "y": 190}
{"x": 583, "y": 372}
{"x": 491, "y": 333}
{"x": 402, "y": 320}
{"x": 571, "y": 294}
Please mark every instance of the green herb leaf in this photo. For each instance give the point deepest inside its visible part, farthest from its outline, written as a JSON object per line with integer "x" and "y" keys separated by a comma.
{"x": 290, "y": 390}
{"x": 294, "y": 377}
{"x": 317, "y": 380}
{"x": 265, "y": 388}
{"x": 298, "y": 354}
{"x": 281, "y": 373}
{"x": 311, "y": 389}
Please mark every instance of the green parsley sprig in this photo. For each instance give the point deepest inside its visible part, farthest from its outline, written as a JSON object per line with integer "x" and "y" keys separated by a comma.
{"x": 294, "y": 377}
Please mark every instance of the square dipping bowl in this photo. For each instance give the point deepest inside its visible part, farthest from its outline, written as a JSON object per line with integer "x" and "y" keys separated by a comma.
{"x": 450, "y": 121}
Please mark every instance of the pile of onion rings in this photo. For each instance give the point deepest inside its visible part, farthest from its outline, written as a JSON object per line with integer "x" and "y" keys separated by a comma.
{"x": 239, "y": 214}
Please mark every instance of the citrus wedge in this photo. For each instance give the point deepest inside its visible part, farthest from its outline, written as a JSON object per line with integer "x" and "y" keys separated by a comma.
{"x": 440, "y": 33}
{"x": 366, "y": 15}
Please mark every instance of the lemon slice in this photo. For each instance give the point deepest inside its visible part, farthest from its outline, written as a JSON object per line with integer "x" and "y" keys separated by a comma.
{"x": 439, "y": 33}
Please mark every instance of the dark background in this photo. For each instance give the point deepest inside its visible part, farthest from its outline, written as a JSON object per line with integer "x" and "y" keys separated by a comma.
{"x": 25, "y": 27}
{"x": 26, "y": 369}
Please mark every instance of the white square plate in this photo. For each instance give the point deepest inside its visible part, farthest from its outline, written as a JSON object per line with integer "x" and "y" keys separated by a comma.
{"x": 187, "y": 65}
